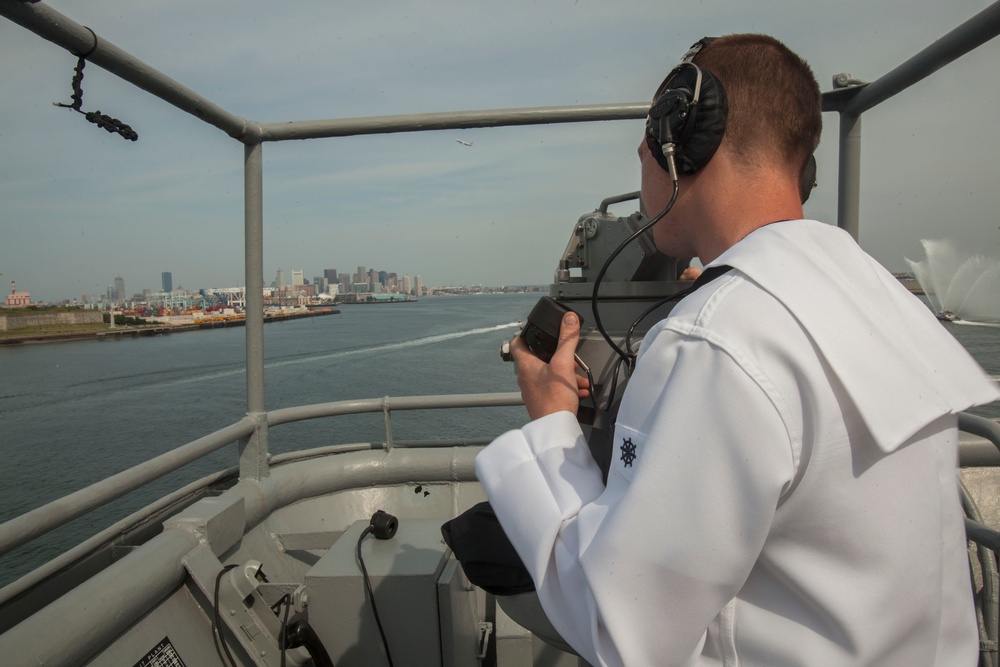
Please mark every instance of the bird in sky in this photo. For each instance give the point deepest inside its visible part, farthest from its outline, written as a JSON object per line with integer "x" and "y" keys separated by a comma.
{"x": 464, "y": 143}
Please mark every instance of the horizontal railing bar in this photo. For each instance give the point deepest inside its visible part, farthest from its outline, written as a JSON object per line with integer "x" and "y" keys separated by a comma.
{"x": 981, "y": 426}
{"x": 89, "y": 546}
{"x": 435, "y": 444}
{"x": 336, "y": 408}
{"x": 342, "y": 448}
{"x": 59, "y": 512}
{"x": 979, "y": 453}
{"x": 457, "y": 120}
{"x": 975, "y": 32}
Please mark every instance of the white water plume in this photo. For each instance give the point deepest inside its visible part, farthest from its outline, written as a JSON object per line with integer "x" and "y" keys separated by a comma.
{"x": 965, "y": 286}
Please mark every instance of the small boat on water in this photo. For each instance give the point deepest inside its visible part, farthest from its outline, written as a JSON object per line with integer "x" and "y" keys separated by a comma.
{"x": 280, "y": 560}
{"x": 948, "y": 316}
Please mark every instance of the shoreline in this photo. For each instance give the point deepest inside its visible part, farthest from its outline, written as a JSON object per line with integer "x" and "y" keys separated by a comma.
{"x": 126, "y": 331}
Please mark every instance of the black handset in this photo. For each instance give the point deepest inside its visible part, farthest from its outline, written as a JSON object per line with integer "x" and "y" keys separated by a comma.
{"x": 541, "y": 331}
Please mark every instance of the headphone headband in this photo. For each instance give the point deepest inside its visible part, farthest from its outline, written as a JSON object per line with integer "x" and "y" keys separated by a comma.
{"x": 696, "y": 47}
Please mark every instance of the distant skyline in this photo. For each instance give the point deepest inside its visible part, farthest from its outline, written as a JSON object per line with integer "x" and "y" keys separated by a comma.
{"x": 79, "y": 206}
{"x": 122, "y": 288}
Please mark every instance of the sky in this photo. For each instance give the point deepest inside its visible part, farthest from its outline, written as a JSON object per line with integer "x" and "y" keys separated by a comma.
{"x": 79, "y": 206}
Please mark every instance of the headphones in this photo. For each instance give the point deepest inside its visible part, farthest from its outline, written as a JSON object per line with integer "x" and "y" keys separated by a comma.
{"x": 688, "y": 116}
{"x": 687, "y": 120}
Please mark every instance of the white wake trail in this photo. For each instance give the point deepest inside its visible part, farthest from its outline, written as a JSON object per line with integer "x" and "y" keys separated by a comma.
{"x": 341, "y": 354}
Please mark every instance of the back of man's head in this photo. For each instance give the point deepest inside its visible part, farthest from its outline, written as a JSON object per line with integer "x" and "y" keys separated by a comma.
{"x": 775, "y": 109}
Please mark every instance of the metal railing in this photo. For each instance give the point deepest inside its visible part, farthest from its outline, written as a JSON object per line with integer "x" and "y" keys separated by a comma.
{"x": 44, "y": 519}
{"x": 987, "y": 542}
{"x": 852, "y": 101}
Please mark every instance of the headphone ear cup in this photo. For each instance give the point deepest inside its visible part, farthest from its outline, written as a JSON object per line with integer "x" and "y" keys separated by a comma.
{"x": 807, "y": 181}
{"x": 703, "y": 134}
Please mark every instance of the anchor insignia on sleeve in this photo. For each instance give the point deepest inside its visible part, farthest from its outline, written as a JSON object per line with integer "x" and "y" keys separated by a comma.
{"x": 628, "y": 452}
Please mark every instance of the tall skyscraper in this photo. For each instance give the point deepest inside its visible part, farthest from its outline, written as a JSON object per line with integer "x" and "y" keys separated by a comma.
{"x": 331, "y": 276}
{"x": 418, "y": 289}
{"x": 281, "y": 279}
{"x": 406, "y": 284}
{"x": 119, "y": 288}
{"x": 168, "y": 282}
{"x": 297, "y": 277}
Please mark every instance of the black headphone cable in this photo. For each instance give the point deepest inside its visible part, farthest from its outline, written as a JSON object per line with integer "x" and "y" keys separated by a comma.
{"x": 627, "y": 357}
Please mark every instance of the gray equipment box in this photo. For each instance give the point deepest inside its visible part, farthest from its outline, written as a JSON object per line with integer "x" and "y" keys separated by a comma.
{"x": 415, "y": 590}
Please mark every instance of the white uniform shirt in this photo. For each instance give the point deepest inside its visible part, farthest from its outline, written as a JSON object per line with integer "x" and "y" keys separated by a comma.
{"x": 783, "y": 485}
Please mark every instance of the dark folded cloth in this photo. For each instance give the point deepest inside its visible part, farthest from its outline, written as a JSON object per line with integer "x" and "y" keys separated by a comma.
{"x": 486, "y": 555}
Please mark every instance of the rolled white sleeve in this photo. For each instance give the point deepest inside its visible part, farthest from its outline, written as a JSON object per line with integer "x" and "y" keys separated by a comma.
{"x": 547, "y": 471}
{"x": 636, "y": 573}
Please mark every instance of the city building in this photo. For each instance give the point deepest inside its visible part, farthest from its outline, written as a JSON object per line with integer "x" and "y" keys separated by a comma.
{"x": 297, "y": 277}
{"x": 119, "y": 288}
{"x": 16, "y": 299}
{"x": 168, "y": 281}
{"x": 331, "y": 276}
{"x": 418, "y": 288}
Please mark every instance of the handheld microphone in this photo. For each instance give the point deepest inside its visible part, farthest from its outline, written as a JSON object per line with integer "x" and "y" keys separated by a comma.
{"x": 541, "y": 331}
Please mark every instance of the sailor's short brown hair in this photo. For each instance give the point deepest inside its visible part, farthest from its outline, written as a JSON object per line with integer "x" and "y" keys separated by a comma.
{"x": 775, "y": 108}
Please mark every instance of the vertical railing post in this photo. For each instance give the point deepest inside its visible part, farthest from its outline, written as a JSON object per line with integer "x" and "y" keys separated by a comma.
{"x": 253, "y": 450}
{"x": 849, "y": 176}
{"x": 387, "y": 417}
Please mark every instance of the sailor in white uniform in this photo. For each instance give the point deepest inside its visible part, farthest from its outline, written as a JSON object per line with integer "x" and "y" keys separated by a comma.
{"x": 783, "y": 486}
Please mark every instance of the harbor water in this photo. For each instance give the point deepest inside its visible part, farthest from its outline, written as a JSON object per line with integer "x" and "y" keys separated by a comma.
{"x": 73, "y": 413}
